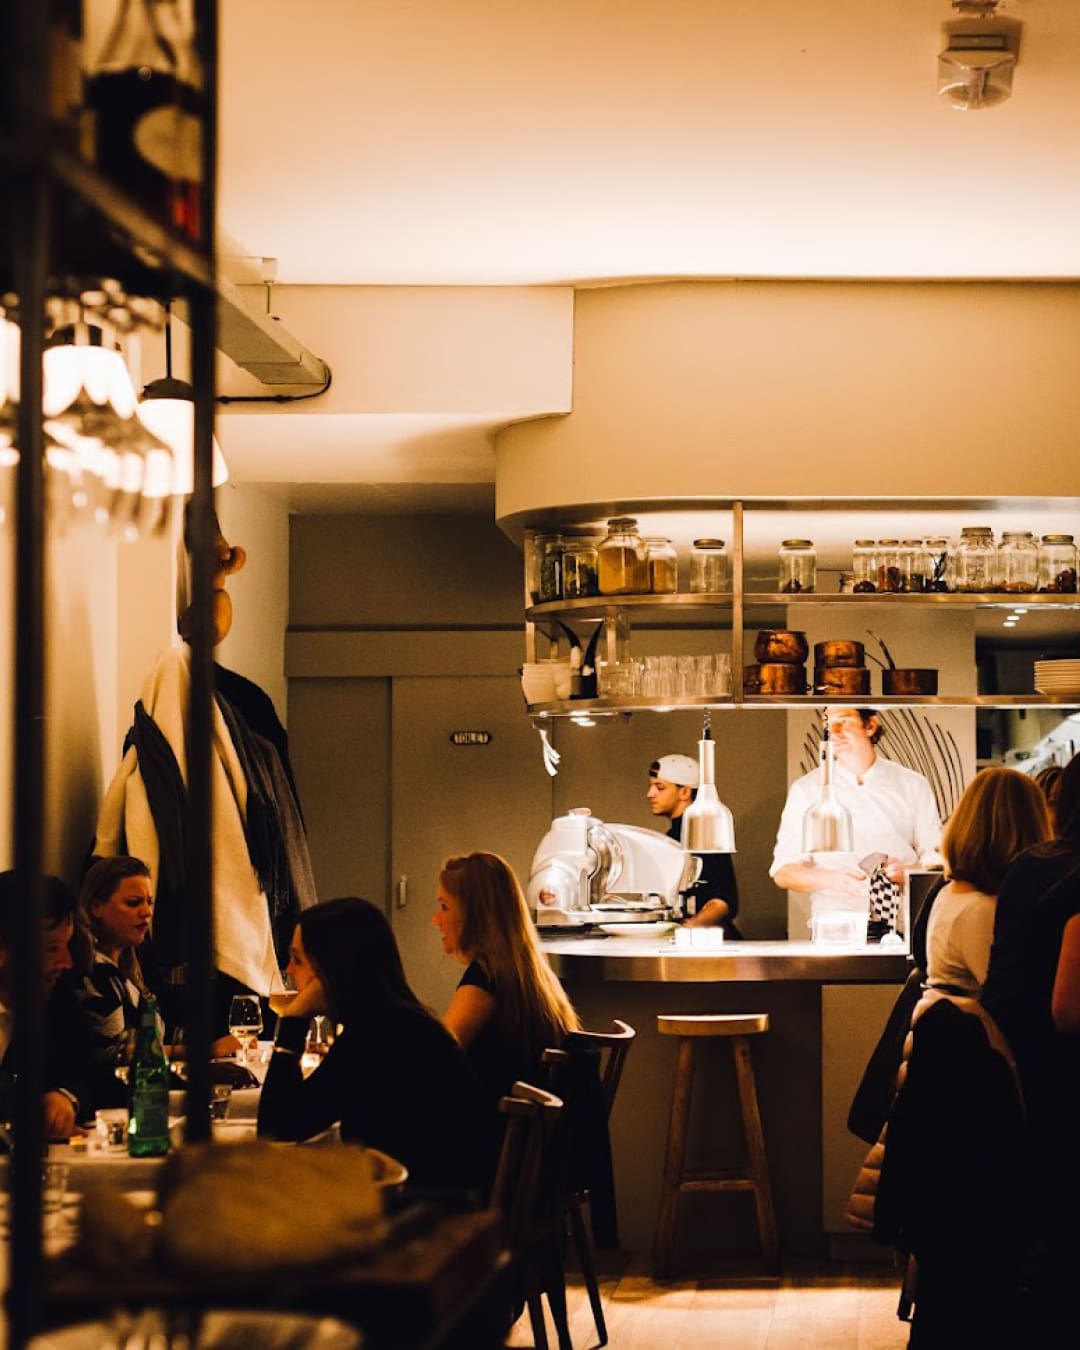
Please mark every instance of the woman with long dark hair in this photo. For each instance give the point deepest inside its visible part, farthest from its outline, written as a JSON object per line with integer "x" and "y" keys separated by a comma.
{"x": 509, "y": 1005}
{"x": 394, "y": 1077}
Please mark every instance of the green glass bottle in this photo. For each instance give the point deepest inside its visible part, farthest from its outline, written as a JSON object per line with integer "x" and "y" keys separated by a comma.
{"x": 148, "y": 1089}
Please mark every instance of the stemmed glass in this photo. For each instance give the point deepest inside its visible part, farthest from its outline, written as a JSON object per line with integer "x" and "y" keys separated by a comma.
{"x": 245, "y": 1022}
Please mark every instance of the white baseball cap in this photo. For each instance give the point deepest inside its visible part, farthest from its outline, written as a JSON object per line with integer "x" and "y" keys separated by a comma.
{"x": 678, "y": 769}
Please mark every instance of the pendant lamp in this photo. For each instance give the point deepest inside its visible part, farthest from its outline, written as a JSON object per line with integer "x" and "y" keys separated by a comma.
{"x": 707, "y": 824}
{"x": 168, "y": 409}
{"x": 827, "y": 824}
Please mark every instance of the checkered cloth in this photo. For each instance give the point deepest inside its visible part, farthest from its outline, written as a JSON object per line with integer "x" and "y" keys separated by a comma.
{"x": 884, "y": 905}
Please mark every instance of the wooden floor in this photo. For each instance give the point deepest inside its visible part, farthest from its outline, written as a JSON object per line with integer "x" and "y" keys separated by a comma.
{"x": 821, "y": 1308}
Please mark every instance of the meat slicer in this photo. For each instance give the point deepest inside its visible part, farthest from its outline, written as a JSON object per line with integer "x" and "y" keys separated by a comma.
{"x": 589, "y": 871}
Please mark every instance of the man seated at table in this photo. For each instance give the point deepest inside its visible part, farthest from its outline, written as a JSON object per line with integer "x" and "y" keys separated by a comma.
{"x": 63, "y": 1075}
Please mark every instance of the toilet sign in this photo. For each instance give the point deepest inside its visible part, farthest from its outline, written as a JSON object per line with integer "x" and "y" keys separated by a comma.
{"x": 471, "y": 738}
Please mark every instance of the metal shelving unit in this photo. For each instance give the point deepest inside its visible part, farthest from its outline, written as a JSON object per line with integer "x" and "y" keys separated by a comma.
{"x": 61, "y": 217}
{"x": 736, "y": 608}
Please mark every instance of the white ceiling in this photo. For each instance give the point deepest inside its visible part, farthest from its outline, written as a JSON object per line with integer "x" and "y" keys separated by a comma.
{"x": 424, "y": 142}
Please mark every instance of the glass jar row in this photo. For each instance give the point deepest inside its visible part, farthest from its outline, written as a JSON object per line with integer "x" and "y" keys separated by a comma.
{"x": 622, "y": 562}
{"x": 1020, "y": 564}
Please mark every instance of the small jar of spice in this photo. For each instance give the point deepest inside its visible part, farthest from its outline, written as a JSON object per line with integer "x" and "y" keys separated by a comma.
{"x": 888, "y": 565}
{"x": 708, "y": 566}
{"x": 663, "y": 566}
{"x": 1018, "y": 562}
{"x": 864, "y": 566}
{"x": 579, "y": 569}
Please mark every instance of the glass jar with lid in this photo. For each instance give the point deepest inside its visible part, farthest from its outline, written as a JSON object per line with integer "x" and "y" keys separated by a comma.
{"x": 976, "y": 560}
{"x": 708, "y": 566}
{"x": 551, "y": 551}
{"x": 1057, "y": 564}
{"x": 663, "y": 566}
{"x": 938, "y": 557}
{"x": 798, "y": 566}
{"x": 579, "y": 569}
{"x": 914, "y": 565}
{"x": 1018, "y": 562}
{"x": 864, "y": 566}
{"x": 623, "y": 559}
{"x": 888, "y": 564}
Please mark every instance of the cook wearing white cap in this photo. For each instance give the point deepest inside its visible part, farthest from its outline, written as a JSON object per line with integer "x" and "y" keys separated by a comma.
{"x": 714, "y": 899}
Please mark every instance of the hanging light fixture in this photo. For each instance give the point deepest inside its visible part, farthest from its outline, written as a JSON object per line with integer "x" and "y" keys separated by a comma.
{"x": 707, "y": 824}
{"x": 168, "y": 409}
{"x": 827, "y": 825}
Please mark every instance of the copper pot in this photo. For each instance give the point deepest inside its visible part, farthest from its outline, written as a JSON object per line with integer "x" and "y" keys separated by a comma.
{"x": 841, "y": 680}
{"x": 909, "y": 681}
{"x": 774, "y": 678}
{"x": 839, "y": 652}
{"x": 781, "y": 647}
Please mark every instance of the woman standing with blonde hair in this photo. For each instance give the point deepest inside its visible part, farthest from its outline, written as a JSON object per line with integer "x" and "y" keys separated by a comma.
{"x": 508, "y": 1006}
{"x": 1001, "y": 813}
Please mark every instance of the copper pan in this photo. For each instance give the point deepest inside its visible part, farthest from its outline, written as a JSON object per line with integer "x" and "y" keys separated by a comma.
{"x": 841, "y": 680}
{"x": 773, "y": 677}
{"x": 839, "y": 652}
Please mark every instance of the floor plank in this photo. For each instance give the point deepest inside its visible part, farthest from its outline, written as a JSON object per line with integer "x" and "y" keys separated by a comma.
{"x": 808, "y": 1308}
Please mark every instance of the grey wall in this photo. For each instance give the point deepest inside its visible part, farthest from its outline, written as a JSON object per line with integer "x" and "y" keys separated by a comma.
{"x": 376, "y": 600}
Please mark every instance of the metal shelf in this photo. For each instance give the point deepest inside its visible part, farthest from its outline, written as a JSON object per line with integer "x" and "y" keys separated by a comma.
{"x": 612, "y": 707}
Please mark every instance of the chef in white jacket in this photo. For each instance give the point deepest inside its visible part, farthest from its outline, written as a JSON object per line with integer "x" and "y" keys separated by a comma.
{"x": 893, "y": 811}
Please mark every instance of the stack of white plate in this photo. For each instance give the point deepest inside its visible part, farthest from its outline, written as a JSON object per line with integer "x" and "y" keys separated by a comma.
{"x": 1059, "y": 679}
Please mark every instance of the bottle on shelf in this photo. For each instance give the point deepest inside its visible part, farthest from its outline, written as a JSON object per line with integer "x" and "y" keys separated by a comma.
{"x": 148, "y": 1088}
{"x": 708, "y": 566}
{"x": 976, "y": 560}
{"x": 1057, "y": 564}
{"x": 663, "y": 566}
{"x": 798, "y": 566}
{"x": 144, "y": 111}
{"x": 864, "y": 566}
{"x": 1018, "y": 562}
{"x": 623, "y": 559}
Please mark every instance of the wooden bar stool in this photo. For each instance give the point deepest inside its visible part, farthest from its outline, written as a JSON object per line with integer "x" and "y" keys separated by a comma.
{"x": 754, "y": 1174}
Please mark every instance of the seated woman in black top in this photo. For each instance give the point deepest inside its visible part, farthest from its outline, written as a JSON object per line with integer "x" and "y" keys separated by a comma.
{"x": 509, "y": 1006}
{"x": 394, "y": 1077}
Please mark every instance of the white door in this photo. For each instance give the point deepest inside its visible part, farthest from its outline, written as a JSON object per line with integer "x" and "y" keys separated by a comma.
{"x": 449, "y": 799}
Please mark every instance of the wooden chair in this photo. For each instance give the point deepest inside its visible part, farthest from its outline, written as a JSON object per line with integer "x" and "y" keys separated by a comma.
{"x": 528, "y": 1191}
{"x": 608, "y": 1049}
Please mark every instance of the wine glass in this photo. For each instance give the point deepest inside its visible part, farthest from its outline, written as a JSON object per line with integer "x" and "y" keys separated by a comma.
{"x": 245, "y": 1022}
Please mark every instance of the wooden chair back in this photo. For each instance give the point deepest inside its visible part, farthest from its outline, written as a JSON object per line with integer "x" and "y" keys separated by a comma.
{"x": 531, "y": 1116}
{"x": 612, "y": 1047}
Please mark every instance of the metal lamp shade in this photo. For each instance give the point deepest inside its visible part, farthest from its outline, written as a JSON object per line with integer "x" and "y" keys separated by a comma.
{"x": 707, "y": 824}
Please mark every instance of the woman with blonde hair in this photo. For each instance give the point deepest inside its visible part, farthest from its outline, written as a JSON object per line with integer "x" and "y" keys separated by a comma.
{"x": 1001, "y": 814}
{"x": 508, "y": 1006}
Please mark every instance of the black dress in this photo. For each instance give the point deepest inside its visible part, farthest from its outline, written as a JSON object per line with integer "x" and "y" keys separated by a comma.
{"x": 498, "y": 1060}
{"x": 401, "y": 1085}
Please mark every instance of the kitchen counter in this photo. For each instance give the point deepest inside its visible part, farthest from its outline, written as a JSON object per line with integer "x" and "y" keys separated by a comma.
{"x": 658, "y": 960}
{"x": 826, "y": 1009}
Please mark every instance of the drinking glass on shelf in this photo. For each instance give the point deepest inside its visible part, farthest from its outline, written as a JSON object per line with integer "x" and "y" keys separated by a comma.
{"x": 245, "y": 1023}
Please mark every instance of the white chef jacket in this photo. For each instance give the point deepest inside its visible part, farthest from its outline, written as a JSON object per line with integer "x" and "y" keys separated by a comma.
{"x": 893, "y": 811}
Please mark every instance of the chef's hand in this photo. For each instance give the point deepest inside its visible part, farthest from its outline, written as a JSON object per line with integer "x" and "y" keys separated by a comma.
{"x": 896, "y": 871}
{"x": 843, "y": 881}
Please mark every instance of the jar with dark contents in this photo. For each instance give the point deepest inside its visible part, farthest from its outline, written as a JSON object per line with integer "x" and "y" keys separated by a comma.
{"x": 937, "y": 560}
{"x": 888, "y": 565}
{"x": 551, "y": 568}
{"x": 798, "y": 566}
{"x": 1018, "y": 562}
{"x": 1057, "y": 564}
{"x": 914, "y": 566}
{"x": 864, "y": 566}
{"x": 579, "y": 569}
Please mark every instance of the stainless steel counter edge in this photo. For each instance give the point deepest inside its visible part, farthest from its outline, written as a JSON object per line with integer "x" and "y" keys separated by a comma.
{"x": 659, "y": 961}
